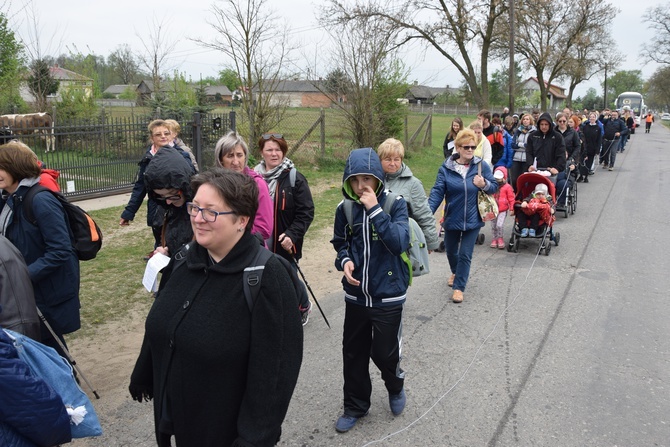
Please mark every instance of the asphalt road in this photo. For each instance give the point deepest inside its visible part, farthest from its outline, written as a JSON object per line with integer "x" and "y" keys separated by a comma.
{"x": 570, "y": 349}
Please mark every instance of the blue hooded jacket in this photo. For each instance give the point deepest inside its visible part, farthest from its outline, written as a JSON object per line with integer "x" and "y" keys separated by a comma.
{"x": 375, "y": 242}
{"x": 460, "y": 194}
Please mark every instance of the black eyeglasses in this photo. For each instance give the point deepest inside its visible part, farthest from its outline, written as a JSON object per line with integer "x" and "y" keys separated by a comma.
{"x": 267, "y": 136}
{"x": 172, "y": 198}
{"x": 469, "y": 148}
{"x": 207, "y": 215}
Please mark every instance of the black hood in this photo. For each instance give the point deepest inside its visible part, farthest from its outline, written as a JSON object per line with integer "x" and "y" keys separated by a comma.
{"x": 546, "y": 116}
{"x": 168, "y": 169}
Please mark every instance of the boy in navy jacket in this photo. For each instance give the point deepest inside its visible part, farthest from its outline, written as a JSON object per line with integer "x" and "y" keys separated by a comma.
{"x": 375, "y": 285}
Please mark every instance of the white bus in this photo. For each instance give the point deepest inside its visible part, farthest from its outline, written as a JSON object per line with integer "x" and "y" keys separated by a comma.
{"x": 633, "y": 101}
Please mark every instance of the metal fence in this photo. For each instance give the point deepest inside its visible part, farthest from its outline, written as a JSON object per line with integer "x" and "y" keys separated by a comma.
{"x": 99, "y": 157}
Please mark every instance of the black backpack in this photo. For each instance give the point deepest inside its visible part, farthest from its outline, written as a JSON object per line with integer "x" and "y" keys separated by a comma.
{"x": 86, "y": 234}
{"x": 253, "y": 274}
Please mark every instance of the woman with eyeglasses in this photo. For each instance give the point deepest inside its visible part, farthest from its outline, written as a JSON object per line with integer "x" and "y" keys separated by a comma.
{"x": 161, "y": 136}
{"x": 231, "y": 152}
{"x": 168, "y": 178}
{"x": 219, "y": 372}
{"x": 293, "y": 204}
{"x": 458, "y": 182}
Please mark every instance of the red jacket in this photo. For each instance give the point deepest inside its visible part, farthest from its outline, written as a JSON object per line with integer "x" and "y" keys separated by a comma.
{"x": 505, "y": 194}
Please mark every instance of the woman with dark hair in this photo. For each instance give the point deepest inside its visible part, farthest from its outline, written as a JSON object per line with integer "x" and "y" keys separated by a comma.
{"x": 524, "y": 129}
{"x": 293, "y": 204}
{"x": 231, "y": 152}
{"x": 220, "y": 372}
{"x": 458, "y": 182}
{"x": 46, "y": 246}
{"x": 448, "y": 146}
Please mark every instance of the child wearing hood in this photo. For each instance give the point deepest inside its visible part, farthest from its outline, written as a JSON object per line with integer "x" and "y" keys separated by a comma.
{"x": 505, "y": 199}
{"x": 375, "y": 284}
{"x": 535, "y": 207}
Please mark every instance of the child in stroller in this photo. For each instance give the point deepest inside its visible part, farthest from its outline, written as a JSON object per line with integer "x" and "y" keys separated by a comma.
{"x": 535, "y": 207}
{"x": 534, "y": 213}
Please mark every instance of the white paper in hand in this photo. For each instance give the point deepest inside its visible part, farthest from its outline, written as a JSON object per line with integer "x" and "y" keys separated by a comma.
{"x": 156, "y": 263}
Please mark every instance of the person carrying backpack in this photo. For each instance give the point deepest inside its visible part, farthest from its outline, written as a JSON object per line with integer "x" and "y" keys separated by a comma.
{"x": 375, "y": 283}
{"x": 46, "y": 245}
{"x": 220, "y": 371}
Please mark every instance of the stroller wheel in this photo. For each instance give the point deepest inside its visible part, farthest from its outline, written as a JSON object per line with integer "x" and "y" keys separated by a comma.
{"x": 441, "y": 248}
{"x": 510, "y": 244}
{"x": 557, "y": 237}
{"x": 547, "y": 248}
{"x": 480, "y": 239}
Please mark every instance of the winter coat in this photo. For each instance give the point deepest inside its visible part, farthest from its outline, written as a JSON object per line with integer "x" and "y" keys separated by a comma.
{"x": 549, "y": 148}
{"x": 219, "y": 374}
{"x": 375, "y": 241}
{"x": 508, "y": 152}
{"x": 169, "y": 170}
{"x": 573, "y": 144}
{"x": 460, "y": 194}
{"x": 31, "y": 413}
{"x": 265, "y": 214}
{"x": 612, "y": 126}
{"x": 48, "y": 252}
{"x": 519, "y": 142}
{"x": 593, "y": 139}
{"x": 154, "y": 219}
{"x": 293, "y": 213}
{"x": 411, "y": 189}
{"x": 505, "y": 194}
{"x": 18, "y": 310}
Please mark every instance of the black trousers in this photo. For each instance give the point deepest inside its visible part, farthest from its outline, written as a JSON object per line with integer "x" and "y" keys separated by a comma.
{"x": 375, "y": 333}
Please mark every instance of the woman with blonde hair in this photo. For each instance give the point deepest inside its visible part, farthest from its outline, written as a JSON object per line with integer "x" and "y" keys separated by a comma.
{"x": 399, "y": 179}
{"x": 458, "y": 182}
{"x": 483, "y": 150}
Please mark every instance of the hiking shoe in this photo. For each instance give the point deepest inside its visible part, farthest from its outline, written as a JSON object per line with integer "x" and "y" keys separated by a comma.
{"x": 457, "y": 296}
{"x": 304, "y": 313}
{"x": 501, "y": 243}
{"x": 531, "y": 232}
{"x": 611, "y": 168}
{"x": 586, "y": 179}
{"x": 524, "y": 232}
{"x": 451, "y": 280}
{"x": 345, "y": 423}
{"x": 397, "y": 402}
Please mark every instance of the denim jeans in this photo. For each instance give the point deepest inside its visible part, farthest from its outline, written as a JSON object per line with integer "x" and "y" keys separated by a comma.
{"x": 459, "y": 246}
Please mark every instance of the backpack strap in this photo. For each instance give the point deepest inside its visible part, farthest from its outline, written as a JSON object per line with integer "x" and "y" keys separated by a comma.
{"x": 27, "y": 204}
{"x": 253, "y": 274}
{"x": 291, "y": 176}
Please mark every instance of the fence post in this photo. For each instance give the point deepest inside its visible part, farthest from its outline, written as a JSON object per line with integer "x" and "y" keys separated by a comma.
{"x": 406, "y": 133}
{"x": 232, "y": 121}
{"x": 323, "y": 132}
{"x": 197, "y": 137}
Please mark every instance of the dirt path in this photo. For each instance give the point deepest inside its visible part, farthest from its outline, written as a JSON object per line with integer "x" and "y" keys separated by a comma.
{"x": 108, "y": 357}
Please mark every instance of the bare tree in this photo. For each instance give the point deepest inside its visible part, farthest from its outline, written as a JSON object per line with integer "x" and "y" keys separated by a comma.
{"x": 367, "y": 72}
{"x": 158, "y": 46}
{"x": 41, "y": 82}
{"x": 459, "y": 30}
{"x": 256, "y": 41}
{"x": 658, "y": 49}
{"x": 124, "y": 64}
{"x": 547, "y": 31}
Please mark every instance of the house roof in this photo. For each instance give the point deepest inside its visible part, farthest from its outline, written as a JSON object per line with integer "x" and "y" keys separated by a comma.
{"x": 63, "y": 74}
{"x": 117, "y": 89}
{"x": 426, "y": 92}
{"x": 555, "y": 90}
{"x": 212, "y": 90}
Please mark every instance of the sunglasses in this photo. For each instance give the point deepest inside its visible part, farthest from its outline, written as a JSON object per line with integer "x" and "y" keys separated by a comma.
{"x": 562, "y": 121}
{"x": 172, "y": 198}
{"x": 267, "y": 136}
{"x": 469, "y": 148}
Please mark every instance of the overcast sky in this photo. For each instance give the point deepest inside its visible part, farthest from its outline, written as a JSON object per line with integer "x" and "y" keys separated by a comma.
{"x": 99, "y": 27}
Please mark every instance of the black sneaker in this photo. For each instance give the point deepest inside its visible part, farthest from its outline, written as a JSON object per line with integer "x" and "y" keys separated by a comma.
{"x": 305, "y": 313}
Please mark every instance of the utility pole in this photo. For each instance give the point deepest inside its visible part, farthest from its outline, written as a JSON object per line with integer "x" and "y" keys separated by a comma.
{"x": 605, "y": 92}
{"x": 512, "y": 75}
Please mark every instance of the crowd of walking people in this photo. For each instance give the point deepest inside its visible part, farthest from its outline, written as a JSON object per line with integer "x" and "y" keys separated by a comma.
{"x": 216, "y": 347}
